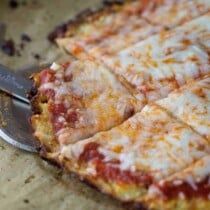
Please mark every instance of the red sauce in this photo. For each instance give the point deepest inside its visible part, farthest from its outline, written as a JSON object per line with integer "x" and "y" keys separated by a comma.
{"x": 68, "y": 78}
{"x": 61, "y": 117}
{"x": 169, "y": 190}
{"x": 111, "y": 172}
{"x": 57, "y": 125}
{"x": 49, "y": 93}
{"x": 90, "y": 153}
{"x": 72, "y": 117}
{"x": 46, "y": 76}
{"x": 65, "y": 65}
{"x": 57, "y": 110}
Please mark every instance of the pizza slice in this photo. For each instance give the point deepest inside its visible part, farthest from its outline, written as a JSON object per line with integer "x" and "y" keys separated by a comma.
{"x": 76, "y": 100}
{"x": 191, "y": 104}
{"x": 107, "y": 31}
{"x": 166, "y": 61}
{"x": 130, "y": 159}
{"x": 173, "y": 13}
{"x": 191, "y": 185}
{"x": 133, "y": 21}
{"x": 135, "y": 30}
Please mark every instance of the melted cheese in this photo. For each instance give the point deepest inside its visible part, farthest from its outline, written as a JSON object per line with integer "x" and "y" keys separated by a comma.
{"x": 192, "y": 174}
{"x": 168, "y": 14}
{"x": 97, "y": 100}
{"x": 166, "y": 61}
{"x": 191, "y": 104}
{"x": 91, "y": 33}
{"x": 110, "y": 45}
{"x": 55, "y": 66}
{"x": 106, "y": 36}
{"x": 151, "y": 141}
{"x": 172, "y": 13}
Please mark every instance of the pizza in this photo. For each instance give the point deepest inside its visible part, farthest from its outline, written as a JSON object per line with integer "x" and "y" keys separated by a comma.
{"x": 130, "y": 114}
{"x": 104, "y": 33}
{"x": 77, "y": 100}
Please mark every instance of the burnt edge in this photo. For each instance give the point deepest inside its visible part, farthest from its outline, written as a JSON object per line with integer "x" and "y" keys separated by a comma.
{"x": 34, "y": 99}
{"x": 86, "y": 15}
{"x": 32, "y": 96}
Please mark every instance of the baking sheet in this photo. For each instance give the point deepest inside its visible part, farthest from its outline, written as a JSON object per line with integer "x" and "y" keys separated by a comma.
{"x": 26, "y": 181}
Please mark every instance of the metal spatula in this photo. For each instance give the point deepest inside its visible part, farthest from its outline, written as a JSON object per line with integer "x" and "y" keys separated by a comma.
{"x": 14, "y": 84}
{"x": 17, "y": 130}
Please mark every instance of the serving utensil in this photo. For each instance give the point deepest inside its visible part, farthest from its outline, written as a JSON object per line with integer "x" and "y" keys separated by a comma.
{"x": 15, "y": 112}
{"x": 14, "y": 84}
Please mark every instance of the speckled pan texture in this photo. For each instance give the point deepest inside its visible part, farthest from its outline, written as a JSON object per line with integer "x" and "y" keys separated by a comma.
{"x": 26, "y": 181}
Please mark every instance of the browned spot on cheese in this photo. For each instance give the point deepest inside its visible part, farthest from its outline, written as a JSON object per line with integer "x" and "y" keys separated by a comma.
{"x": 199, "y": 92}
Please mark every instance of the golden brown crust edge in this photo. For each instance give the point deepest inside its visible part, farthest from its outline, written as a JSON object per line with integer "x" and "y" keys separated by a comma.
{"x": 87, "y": 15}
{"x": 40, "y": 120}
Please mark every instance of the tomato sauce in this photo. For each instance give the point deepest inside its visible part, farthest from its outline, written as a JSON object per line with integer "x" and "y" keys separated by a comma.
{"x": 46, "y": 76}
{"x": 110, "y": 171}
{"x": 170, "y": 190}
{"x": 60, "y": 116}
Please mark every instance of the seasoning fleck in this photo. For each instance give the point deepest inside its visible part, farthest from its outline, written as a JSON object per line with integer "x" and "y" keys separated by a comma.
{"x": 8, "y": 47}
{"x": 37, "y": 56}
{"x": 13, "y": 4}
{"x": 25, "y": 37}
{"x": 29, "y": 179}
{"x": 26, "y": 201}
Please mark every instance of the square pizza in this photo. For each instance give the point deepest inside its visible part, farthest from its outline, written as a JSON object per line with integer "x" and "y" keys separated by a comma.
{"x": 131, "y": 114}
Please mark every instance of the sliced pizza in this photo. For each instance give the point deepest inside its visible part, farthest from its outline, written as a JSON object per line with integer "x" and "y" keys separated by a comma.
{"x": 166, "y": 61}
{"x": 191, "y": 104}
{"x": 174, "y": 13}
{"x": 109, "y": 32}
{"x": 106, "y": 35}
{"x": 139, "y": 149}
{"x": 187, "y": 189}
{"x": 129, "y": 160}
{"x": 75, "y": 100}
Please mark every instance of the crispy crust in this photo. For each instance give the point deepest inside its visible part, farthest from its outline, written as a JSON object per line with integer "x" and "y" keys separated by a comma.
{"x": 87, "y": 15}
{"x": 145, "y": 203}
{"x": 39, "y": 119}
